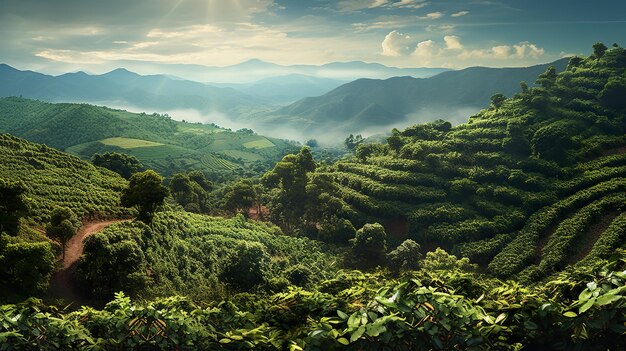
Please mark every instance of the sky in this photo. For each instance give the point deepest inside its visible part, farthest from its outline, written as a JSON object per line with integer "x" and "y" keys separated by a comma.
{"x": 68, "y": 35}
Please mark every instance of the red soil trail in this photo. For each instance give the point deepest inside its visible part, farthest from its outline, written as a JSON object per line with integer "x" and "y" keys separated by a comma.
{"x": 61, "y": 284}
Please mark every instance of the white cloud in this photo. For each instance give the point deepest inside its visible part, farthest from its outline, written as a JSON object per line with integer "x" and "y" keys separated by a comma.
{"x": 434, "y": 15}
{"x": 410, "y": 4}
{"x": 460, "y": 13}
{"x": 355, "y": 5}
{"x": 445, "y": 28}
{"x": 452, "y": 52}
{"x": 397, "y": 44}
{"x": 452, "y": 42}
{"x": 427, "y": 49}
{"x": 523, "y": 50}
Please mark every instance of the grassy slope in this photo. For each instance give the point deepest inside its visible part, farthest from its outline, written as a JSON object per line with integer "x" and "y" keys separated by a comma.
{"x": 55, "y": 178}
{"x": 472, "y": 190}
{"x": 86, "y": 129}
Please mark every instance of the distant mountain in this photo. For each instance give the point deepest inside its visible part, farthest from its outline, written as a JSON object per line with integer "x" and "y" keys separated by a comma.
{"x": 286, "y": 89}
{"x": 121, "y": 87}
{"x": 372, "y": 105}
{"x": 254, "y": 70}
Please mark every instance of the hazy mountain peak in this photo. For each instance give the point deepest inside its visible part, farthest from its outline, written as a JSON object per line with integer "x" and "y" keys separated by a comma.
{"x": 121, "y": 72}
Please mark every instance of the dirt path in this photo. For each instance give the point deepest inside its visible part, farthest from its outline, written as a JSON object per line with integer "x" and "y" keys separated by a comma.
{"x": 592, "y": 235}
{"x": 61, "y": 284}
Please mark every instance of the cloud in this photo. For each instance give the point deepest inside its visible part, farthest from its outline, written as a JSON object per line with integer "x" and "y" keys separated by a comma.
{"x": 452, "y": 42}
{"x": 445, "y": 28}
{"x": 410, "y": 4}
{"x": 427, "y": 49}
{"x": 523, "y": 50}
{"x": 396, "y": 44}
{"x": 433, "y": 15}
{"x": 356, "y": 5}
{"x": 460, "y": 13}
{"x": 451, "y": 49}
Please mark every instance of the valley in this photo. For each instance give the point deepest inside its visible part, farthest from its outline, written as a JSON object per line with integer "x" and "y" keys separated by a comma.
{"x": 281, "y": 175}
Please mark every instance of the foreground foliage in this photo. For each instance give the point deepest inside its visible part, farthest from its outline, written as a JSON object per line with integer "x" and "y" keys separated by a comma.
{"x": 425, "y": 310}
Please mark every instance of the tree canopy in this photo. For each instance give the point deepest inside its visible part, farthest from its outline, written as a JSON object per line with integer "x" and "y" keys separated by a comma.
{"x": 146, "y": 192}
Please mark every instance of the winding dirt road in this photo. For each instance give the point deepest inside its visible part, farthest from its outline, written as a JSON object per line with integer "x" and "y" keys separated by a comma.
{"x": 61, "y": 284}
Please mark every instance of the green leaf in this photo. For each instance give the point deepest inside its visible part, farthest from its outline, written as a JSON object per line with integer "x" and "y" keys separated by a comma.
{"x": 585, "y": 295}
{"x": 355, "y": 320}
{"x": 342, "y": 315}
{"x": 225, "y": 341}
{"x": 500, "y": 318}
{"x": 343, "y": 341}
{"x": 587, "y": 305}
{"x": 357, "y": 334}
{"x": 530, "y": 325}
{"x": 570, "y": 314}
{"x": 607, "y": 299}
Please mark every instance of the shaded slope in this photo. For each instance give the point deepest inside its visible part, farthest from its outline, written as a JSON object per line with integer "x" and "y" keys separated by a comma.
{"x": 405, "y": 100}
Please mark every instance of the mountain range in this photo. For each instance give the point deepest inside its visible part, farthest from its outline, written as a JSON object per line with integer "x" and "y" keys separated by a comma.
{"x": 373, "y": 105}
{"x": 121, "y": 87}
{"x": 254, "y": 70}
{"x": 322, "y": 105}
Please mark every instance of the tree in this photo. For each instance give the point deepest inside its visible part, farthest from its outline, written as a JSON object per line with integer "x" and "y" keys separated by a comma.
{"x": 248, "y": 265}
{"x": 12, "y": 205}
{"x": 287, "y": 182}
{"x": 62, "y": 225}
{"x": 146, "y": 192}
{"x": 524, "y": 87}
{"x": 311, "y": 143}
{"x": 548, "y": 78}
{"x": 370, "y": 244}
{"x": 407, "y": 256}
{"x": 497, "y": 100}
{"x": 599, "y": 49}
{"x": 614, "y": 93}
{"x": 352, "y": 141}
{"x": 552, "y": 141}
{"x": 122, "y": 164}
{"x": 191, "y": 190}
{"x": 240, "y": 196}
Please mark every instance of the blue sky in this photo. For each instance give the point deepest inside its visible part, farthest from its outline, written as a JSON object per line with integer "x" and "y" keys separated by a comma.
{"x": 66, "y": 35}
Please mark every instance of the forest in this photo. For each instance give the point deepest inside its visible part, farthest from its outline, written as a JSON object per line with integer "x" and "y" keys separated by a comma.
{"x": 507, "y": 232}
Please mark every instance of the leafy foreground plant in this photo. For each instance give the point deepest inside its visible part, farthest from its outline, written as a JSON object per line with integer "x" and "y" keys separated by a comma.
{"x": 583, "y": 309}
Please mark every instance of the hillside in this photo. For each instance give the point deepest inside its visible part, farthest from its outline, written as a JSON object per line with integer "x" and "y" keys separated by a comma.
{"x": 372, "y": 105}
{"x": 525, "y": 189}
{"x": 286, "y": 89}
{"x": 156, "y": 140}
{"x": 53, "y": 178}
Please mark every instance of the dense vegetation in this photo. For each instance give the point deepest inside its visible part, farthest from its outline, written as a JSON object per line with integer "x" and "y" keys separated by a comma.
{"x": 199, "y": 256}
{"x": 437, "y": 308}
{"x": 157, "y": 141}
{"x": 528, "y": 197}
{"x": 526, "y": 187}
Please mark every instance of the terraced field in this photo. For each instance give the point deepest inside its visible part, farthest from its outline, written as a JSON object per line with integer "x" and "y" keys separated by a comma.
{"x": 128, "y": 143}
{"x": 523, "y": 189}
